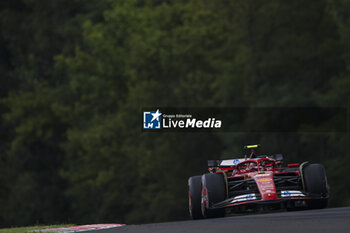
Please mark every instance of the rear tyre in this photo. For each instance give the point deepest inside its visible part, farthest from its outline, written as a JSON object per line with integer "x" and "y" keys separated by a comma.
{"x": 213, "y": 191}
{"x": 315, "y": 181}
{"x": 194, "y": 196}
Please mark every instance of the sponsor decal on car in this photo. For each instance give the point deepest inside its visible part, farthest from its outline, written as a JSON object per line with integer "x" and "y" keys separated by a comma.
{"x": 260, "y": 175}
{"x": 231, "y": 162}
{"x": 292, "y": 193}
{"x": 250, "y": 197}
{"x": 246, "y": 197}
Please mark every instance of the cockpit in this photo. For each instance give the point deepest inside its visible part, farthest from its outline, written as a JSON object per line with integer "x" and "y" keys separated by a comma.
{"x": 256, "y": 165}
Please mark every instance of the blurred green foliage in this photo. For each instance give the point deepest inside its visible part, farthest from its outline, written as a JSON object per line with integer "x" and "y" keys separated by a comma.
{"x": 75, "y": 75}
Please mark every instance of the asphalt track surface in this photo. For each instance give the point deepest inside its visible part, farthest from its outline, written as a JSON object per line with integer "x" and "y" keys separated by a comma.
{"x": 330, "y": 220}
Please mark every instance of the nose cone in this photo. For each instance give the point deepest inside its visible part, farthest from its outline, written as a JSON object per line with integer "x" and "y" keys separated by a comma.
{"x": 266, "y": 185}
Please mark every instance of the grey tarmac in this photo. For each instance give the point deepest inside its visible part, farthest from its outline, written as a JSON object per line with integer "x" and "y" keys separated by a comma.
{"x": 330, "y": 220}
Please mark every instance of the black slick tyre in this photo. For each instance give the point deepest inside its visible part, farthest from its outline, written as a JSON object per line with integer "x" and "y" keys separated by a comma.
{"x": 213, "y": 191}
{"x": 194, "y": 196}
{"x": 315, "y": 183}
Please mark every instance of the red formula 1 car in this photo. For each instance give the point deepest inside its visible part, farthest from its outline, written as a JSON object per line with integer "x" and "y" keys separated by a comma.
{"x": 257, "y": 183}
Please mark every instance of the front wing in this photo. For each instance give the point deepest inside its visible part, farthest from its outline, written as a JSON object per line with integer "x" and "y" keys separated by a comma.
{"x": 253, "y": 198}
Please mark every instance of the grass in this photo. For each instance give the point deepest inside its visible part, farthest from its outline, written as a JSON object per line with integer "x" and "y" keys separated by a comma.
{"x": 30, "y": 228}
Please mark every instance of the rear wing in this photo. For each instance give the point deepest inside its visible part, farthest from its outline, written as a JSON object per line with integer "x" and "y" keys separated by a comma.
{"x": 224, "y": 163}
{"x": 233, "y": 162}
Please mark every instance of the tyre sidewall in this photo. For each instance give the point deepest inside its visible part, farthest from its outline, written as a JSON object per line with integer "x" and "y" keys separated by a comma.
{"x": 194, "y": 196}
{"x": 213, "y": 191}
{"x": 315, "y": 181}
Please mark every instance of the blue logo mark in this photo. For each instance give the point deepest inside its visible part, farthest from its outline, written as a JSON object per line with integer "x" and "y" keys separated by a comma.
{"x": 286, "y": 193}
{"x": 249, "y": 197}
{"x": 151, "y": 120}
{"x": 235, "y": 161}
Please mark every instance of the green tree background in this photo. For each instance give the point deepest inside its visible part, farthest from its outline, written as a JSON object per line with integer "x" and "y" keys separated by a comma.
{"x": 75, "y": 75}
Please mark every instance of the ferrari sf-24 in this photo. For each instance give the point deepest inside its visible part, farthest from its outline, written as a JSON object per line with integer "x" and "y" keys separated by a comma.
{"x": 256, "y": 183}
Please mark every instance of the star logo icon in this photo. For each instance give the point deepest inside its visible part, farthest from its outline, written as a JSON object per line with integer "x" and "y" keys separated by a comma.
{"x": 156, "y": 115}
{"x": 152, "y": 119}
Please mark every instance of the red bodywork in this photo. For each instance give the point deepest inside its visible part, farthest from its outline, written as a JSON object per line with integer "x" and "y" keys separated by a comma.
{"x": 264, "y": 172}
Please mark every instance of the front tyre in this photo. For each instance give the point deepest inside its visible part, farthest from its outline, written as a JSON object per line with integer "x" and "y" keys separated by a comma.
{"x": 315, "y": 181}
{"x": 213, "y": 191}
{"x": 194, "y": 196}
